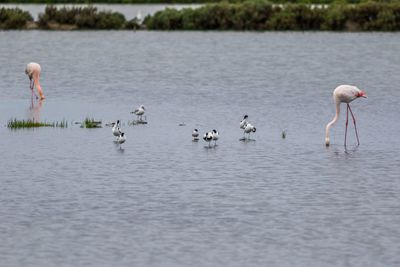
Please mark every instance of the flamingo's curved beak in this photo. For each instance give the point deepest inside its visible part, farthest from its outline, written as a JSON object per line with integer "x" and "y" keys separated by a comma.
{"x": 362, "y": 94}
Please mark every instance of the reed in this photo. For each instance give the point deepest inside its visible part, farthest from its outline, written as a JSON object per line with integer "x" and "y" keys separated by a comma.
{"x": 91, "y": 123}
{"x": 19, "y": 124}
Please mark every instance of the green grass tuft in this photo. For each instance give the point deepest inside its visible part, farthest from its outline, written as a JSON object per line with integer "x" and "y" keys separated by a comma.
{"x": 91, "y": 123}
{"x": 18, "y": 124}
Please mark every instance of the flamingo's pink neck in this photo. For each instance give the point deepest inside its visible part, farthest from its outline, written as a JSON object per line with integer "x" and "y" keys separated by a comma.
{"x": 328, "y": 126}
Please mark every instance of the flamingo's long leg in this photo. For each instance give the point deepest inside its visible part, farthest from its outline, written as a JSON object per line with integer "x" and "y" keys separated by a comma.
{"x": 347, "y": 123}
{"x": 355, "y": 125}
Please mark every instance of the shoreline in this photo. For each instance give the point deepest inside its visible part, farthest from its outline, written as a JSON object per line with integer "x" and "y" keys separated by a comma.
{"x": 248, "y": 16}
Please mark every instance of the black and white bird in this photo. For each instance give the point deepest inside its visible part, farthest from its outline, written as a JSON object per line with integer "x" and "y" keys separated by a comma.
{"x": 121, "y": 139}
{"x": 116, "y": 130}
{"x": 243, "y": 123}
{"x": 139, "y": 112}
{"x": 215, "y": 136}
{"x": 249, "y": 129}
{"x": 208, "y": 137}
{"x": 195, "y": 135}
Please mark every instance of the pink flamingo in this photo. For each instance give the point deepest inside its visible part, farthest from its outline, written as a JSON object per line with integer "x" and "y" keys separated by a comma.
{"x": 345, "y": 94}
{"x": 33, "y": 71}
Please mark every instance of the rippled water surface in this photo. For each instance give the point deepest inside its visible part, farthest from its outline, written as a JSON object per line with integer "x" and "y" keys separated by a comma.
{"x": 71, "y": 197}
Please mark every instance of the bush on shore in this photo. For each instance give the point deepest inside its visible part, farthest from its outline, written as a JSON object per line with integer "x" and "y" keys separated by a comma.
{"x": 80, "y": 18}
{"x": 14, "y": 18}
{"x": 262, "y": 15}
{"x": 258, "y": 15}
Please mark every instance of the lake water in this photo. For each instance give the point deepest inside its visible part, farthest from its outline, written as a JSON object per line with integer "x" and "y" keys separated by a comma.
{"x": 129, "y": 11}
{"x": 72, "y": 197}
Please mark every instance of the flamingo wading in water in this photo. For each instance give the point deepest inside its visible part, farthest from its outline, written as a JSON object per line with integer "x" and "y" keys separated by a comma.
{"x": 344, "y": 94}
{"x": 33, "y": 71}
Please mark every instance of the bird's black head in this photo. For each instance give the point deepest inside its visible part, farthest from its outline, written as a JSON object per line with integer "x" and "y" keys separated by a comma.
{"x": 196, "y": 130}
{"x": 122, "y": 134}
{"x": 215, "y": 131}
{"x": 245, "y": 117}
{"x": 254, "y": 129}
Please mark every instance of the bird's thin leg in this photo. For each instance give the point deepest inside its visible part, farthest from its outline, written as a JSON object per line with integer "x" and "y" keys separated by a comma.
{"x": 355, "y": 126}
{"x": 347, "y": 123}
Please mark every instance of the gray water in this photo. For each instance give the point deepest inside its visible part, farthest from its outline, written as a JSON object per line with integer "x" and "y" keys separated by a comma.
{"x": 72, "y": 197}
{"x": 130, "y": 11}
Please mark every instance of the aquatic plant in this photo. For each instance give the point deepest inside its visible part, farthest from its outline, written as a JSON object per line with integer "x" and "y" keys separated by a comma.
{"x": 14, "y": 18}
{"x": 91, "y": 123}
{"x": 17, "y": 124}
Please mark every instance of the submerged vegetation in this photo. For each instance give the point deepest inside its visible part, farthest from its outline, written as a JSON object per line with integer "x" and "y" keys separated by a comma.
{"x": 91, "y": 123}
{"x": 255, "y": 15}
{"x": 18, "y": 124}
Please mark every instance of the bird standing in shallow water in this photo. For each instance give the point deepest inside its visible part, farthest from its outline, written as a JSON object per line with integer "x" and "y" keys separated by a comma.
{"x": 208, "y": 137}
{"x": 195, "y": 135}
{"x": 243, "y": 124}
{"x": 344, "y": 94}
{"x": 121, "y": 139}
{"x": 33, "y": 71}
{"x": 215, "y": 136}
{"x": 116, "y": 130}
{"x": 139, "y": 112}
{"x": 249, "y": 129}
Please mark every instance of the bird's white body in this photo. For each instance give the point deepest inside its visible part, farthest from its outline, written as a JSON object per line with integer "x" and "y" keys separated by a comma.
{"x": 139, "y": 111}
{"x": 116, "y": 130}
{"x": 215, "y": 136}
{"x": 195, "y": 134}
{"x": 249, "y": 128}
{"x": 343, "y": 94}
{"x": 208, "y": 137}
{"x": 33, "y": 71}
{"x": 121, "y": 139}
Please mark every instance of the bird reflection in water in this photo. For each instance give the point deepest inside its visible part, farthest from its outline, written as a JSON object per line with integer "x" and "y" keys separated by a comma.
{"x": 34, "y": 110}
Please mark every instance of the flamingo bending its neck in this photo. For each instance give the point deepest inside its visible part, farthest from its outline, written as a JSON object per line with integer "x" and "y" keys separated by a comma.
{"x": 33, "y": 71}
{"x": 344, "y": 94}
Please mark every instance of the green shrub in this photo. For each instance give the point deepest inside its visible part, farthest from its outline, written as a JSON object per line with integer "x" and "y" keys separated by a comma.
{"x": 81, "y": 17}
{"x": 14, "y": 18}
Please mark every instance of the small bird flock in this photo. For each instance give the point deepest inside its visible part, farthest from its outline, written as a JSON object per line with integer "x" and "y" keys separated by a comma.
{"x": 341, "y": 94}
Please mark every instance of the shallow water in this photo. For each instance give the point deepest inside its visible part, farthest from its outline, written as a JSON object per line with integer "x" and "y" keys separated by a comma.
{"x": 71, "y": 197}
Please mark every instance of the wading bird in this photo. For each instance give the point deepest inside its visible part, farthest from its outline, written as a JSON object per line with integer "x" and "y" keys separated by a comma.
{"x": 215, "y": 136}
{"x": 208, "y": 137}
{"x": 195, "y": 135}
{"x": 33, "y": 71}
{"x": 344, "y": 94}
{"x": 249, "y": 129}
{"x": 116, "y": 130}
{"x": 139, "y": 112}
{"x": 121, "y": 139}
